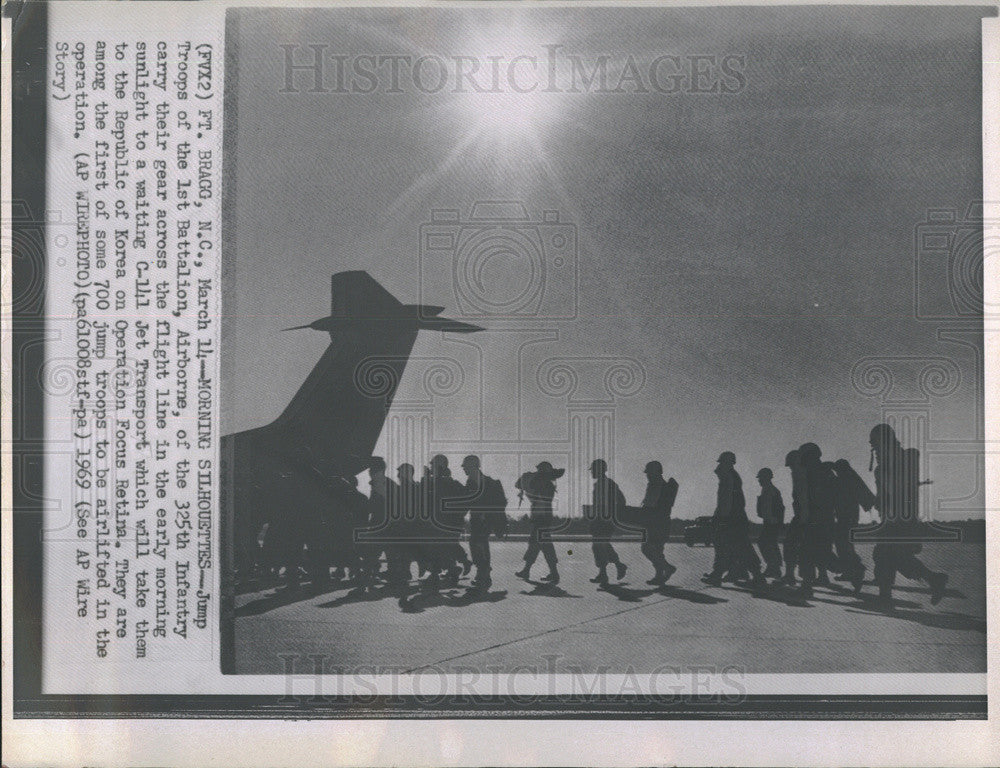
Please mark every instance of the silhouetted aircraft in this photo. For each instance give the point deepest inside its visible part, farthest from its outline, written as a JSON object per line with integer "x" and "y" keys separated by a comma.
{"x": 290, "y": 467}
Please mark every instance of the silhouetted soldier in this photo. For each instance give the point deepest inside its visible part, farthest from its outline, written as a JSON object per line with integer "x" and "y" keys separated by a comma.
{"x": 443, "y": 494}
{"x": 733, "y": 550}
{"x": 384, "y": 519}
{"x": 540, "y": 488}
{"x": 364, "y": 561}
{"x": 307, "y": 494}
{"x": 771, "y": 511}
{"x": 818, "y": 510}
{"x": 852, "y": 496}
{"x": 487, "y": 514}
{"x": 896, "y": 497}
{"x": 657, "y": 505}
{"x": 414, "y": 525}
{"x": 793, "y": 534}
{"x": 607, "y": 506}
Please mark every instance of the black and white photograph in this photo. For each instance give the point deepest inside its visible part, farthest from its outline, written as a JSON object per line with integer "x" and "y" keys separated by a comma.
{"x": 445, "y": 382}
{"x": 646, "y": 341}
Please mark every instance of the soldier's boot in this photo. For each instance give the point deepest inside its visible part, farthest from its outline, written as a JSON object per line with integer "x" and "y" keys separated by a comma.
{"x": 524, "y": 573}
{"x": 857, "y": 577}
{"x": 552, "y": 577}
{"x": 938, "y": 583}
{"x": 620, "y": 569}
{"x": 601, "y": 577}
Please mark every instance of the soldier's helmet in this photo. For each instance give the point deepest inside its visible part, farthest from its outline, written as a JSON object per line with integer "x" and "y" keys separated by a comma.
{"x": 727, "y": 457}
{"x": 470, "y": 462}
{"x": 654, "y": 468}
{"x": 809, "y": 453}
{"x": 545, "y": 469}
{"x": 792, "y": 458}
{"x": 377, "y": 464}
{"x": 439, "y": 462}
{"x": 882, "y": 435}
{"x": 600, "y": 466}
{"x": 766, "y": 473}
{"x": 405, "y": 471}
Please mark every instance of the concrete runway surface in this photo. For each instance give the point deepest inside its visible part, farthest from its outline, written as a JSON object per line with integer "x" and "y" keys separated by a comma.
{"x": 628, "y": 624}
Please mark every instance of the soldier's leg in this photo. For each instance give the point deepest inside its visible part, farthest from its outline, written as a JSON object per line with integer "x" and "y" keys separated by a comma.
{"x": 723, "y": 559}
{"x": 597, "y": 548}
{"x": 549, "y": 553}
{"x": 534, "y": 547}
{"x": 647, "y": 552}
{"x": 612, "y": 555}
{"x": 652, "y": 549}
{"x": 909, "y": 565}
{"x": 885, "y": 568}
{"x": 808, "y": 555}
{"x": 769, "y": 549}
{"x": 793, "y": 550}
{"x": 479, "y": 548}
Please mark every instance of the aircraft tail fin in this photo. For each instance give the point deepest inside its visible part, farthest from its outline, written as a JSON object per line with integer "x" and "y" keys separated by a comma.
{"x": 357, "y": 294}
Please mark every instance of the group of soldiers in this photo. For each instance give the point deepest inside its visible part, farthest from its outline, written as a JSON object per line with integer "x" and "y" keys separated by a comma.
{"x": 827, "y": 498}
{"x": 408, "y": 523}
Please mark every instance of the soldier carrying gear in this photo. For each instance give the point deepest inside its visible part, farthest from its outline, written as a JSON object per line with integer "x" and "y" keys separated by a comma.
{"x": 487, "y": 514}
{"x": 443, "y": 495}
{"x": 657, "y": 505}
{"x": 540, "y": 488}
{"x": 896, "y": 487}
{"x": 818, "y": 509}
{"x": 852, "y": 495}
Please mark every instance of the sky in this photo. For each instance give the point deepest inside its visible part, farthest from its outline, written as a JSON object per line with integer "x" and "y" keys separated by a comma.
{"x": 731, "y": 257}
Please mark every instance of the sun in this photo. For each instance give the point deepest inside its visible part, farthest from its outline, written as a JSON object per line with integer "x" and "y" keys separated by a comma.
{"x": 504, "y": 90}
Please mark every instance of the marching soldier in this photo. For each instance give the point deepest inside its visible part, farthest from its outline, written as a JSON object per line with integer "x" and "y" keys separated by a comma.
{"x": 487, "y": 514}
{"x": 414, "y": 524}
{"x": 607, "y": 506}
{"x": 540, "y": 488}
{"x": 793, "y": 535}
{"x": 443, "y": 496}
{"x": 818, "y": 506}
{"x": 852, "y": 496}
{"x": 657, "y": 505}
{"x": 896, "y": 488}
{"x": 386, "y": 527}
{"x": 771, "y": 511}
{"x": 733, "y": 550}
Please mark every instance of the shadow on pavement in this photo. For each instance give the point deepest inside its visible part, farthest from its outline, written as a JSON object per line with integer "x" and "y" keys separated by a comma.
{"x": 908, "y": 611}
{"x": 419, "y": 602}
{"x": 775, "y": 593}
{"x": 544, "y": 589}
{"x": 702, "y": 598}
{"x": 630, "y": 595}
{"x": 283, "y": 597}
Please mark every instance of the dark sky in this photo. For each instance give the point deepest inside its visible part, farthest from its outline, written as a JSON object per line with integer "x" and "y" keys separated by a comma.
{"x": 743, "y": 250}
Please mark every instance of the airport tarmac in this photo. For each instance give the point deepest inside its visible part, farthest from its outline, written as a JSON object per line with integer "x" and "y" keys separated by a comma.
{"x": 628, "y": 624}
